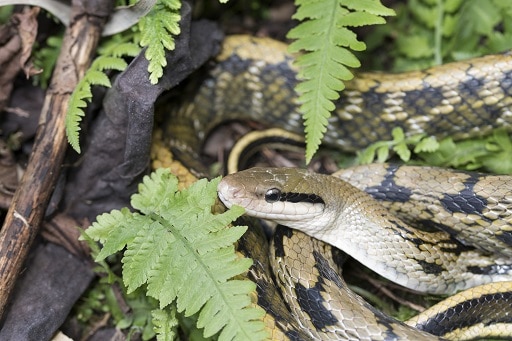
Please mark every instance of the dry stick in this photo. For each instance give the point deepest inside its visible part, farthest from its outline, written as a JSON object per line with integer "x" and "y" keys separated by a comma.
{"x": 27, "y": 210}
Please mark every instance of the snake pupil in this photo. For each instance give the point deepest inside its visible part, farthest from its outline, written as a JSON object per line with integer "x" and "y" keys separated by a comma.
{"x": 272, "y": 195}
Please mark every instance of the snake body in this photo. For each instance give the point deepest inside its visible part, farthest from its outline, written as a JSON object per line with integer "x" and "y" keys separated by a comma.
{"x": 475, "y": 208}
{"x": 254, "y": 79}
{"x": 338, "y": 213}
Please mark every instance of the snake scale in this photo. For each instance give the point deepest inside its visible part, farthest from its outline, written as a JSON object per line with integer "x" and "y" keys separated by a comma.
{"x": 253, "y": 79}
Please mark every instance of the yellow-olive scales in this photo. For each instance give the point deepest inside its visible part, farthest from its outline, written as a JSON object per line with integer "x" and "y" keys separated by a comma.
{"x": 253, "y": 80}
{"x": 332, "y": 210}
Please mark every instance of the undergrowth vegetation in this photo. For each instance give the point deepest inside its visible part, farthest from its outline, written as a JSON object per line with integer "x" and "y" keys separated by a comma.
{"x": 178, "y": 259}
{"x": 179, "y": 253}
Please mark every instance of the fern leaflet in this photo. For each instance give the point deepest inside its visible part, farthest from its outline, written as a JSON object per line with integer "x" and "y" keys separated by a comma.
{"x": 45, "y": 59}
{"x": 110, "y": 58}
{"x": 324, "y": 37}
{"x": 165, "y": 323}
{"x": 157, "y": 29}
{"x": 175, "y": 241}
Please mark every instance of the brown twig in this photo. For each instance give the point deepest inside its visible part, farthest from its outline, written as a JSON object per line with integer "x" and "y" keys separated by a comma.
{"x": 26, "y": 213}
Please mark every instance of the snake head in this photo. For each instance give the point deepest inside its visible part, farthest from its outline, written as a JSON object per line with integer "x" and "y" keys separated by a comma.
{"x": 284, "y": 195}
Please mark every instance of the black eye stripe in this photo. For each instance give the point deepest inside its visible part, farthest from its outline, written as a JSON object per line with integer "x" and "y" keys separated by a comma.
{"x": 301, "y": 197}
{"x": 274, "y": 195}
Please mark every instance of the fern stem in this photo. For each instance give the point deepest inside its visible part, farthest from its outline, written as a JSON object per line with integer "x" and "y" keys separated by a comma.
{"x": 438, "y": 34}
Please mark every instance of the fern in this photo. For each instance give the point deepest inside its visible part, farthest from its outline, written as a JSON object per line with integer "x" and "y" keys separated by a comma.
{"x": 183, "y": 255}
{"x": 400, "y": 145}
{"x": 165, "y": 323}
{"x": 110, "y": 58}
{"x": 463, "y": 29}
{"x": 45, "y": 59}
{"x": 435, "y": 32}
{"x": 325, "y": 38}
{"x": 157, "y": 29}
{"x": 491, "y": 152}
{"x": 5, "y": 13}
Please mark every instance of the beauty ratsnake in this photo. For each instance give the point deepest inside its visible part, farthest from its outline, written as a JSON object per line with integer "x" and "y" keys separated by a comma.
{"x": 253, "y": 79}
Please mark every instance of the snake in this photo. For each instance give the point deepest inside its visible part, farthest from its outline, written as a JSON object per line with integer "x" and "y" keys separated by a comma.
{"x": 332, "y": 210}
{"x": 253, "y": 79}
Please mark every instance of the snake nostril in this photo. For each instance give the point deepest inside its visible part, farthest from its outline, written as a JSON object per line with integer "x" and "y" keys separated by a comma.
{"x": 227, "y": 192}
{"x": 234, "y": 192}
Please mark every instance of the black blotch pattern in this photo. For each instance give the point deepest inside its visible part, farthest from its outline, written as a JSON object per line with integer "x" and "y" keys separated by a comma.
{"x": 326, "y": 271}
{"x": 487, "y": 309}
{"x": 505, "y": 236}
{"x": 430, "y": 268}
{"x": 431, "y": 226}
{"x": 280, "y": 233}
{"x": 405, "y": 233}
{"x": 457, "y": 246}
{"x": 388, "y": 190}
{"x": 236, "y": 65}
{"x": 310, "y": 300}
{"x": 466, "y": 201}
{"x": 494, "y": 269}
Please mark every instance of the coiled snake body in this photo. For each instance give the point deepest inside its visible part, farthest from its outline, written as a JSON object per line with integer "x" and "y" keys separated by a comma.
{"x": 253, "y": 79}
{"x": 336, "y": 212}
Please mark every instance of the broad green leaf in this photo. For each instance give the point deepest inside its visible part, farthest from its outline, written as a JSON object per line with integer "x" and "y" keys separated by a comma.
{"x": 183, "y": 255}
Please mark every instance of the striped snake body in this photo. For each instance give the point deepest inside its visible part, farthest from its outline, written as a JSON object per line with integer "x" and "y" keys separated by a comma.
{"x": 332, "y": 210}
{"x": 253, "y": 79}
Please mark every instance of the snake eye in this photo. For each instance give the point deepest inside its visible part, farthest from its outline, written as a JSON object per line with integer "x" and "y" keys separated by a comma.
{"x": 272, "y": 195}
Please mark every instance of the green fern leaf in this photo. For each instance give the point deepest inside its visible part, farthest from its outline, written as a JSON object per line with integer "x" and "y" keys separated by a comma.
{"x": 143, "y": 252}
{"x": 157, "y": 30}
{"x": 120, "y": 46}
{"x": 121, "y": 227}
{"x": 95, "y": 75}
{"x": 324, "y": 36}
{"x": 427, "y": 144}
{"x": 109, "y": 63}
{"x": 179, "y": 242}
{"x": 165, "y": 323}
{"x": 45, "y": 59}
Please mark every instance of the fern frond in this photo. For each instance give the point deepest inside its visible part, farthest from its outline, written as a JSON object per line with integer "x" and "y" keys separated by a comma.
{"x": 45, "y": 59}
{"x": 184, "y": 255}
{"x": 324, "y": 37}
{"x": 157, "y": 30}
{"x": 165, "y": 323}
{"x": 109, "y": 59}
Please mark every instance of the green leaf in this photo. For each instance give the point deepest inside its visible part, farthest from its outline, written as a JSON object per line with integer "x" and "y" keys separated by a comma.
{"x": 403, "y": 151}
{"x": 382, "y": 154}
{"x": 398, "y": 134}
{"x": 370, "y": 6}
{"x": 45, "y": 59}
{"x": 428, "y": 144}
{"x": 178, "y": 251}
{"x": 157, "y": 30}
{"x": 324, "y": 37}
{"x": 109, "y": 59}
{"x": 415, "y": 47}
{"x": 165, "y": 323}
